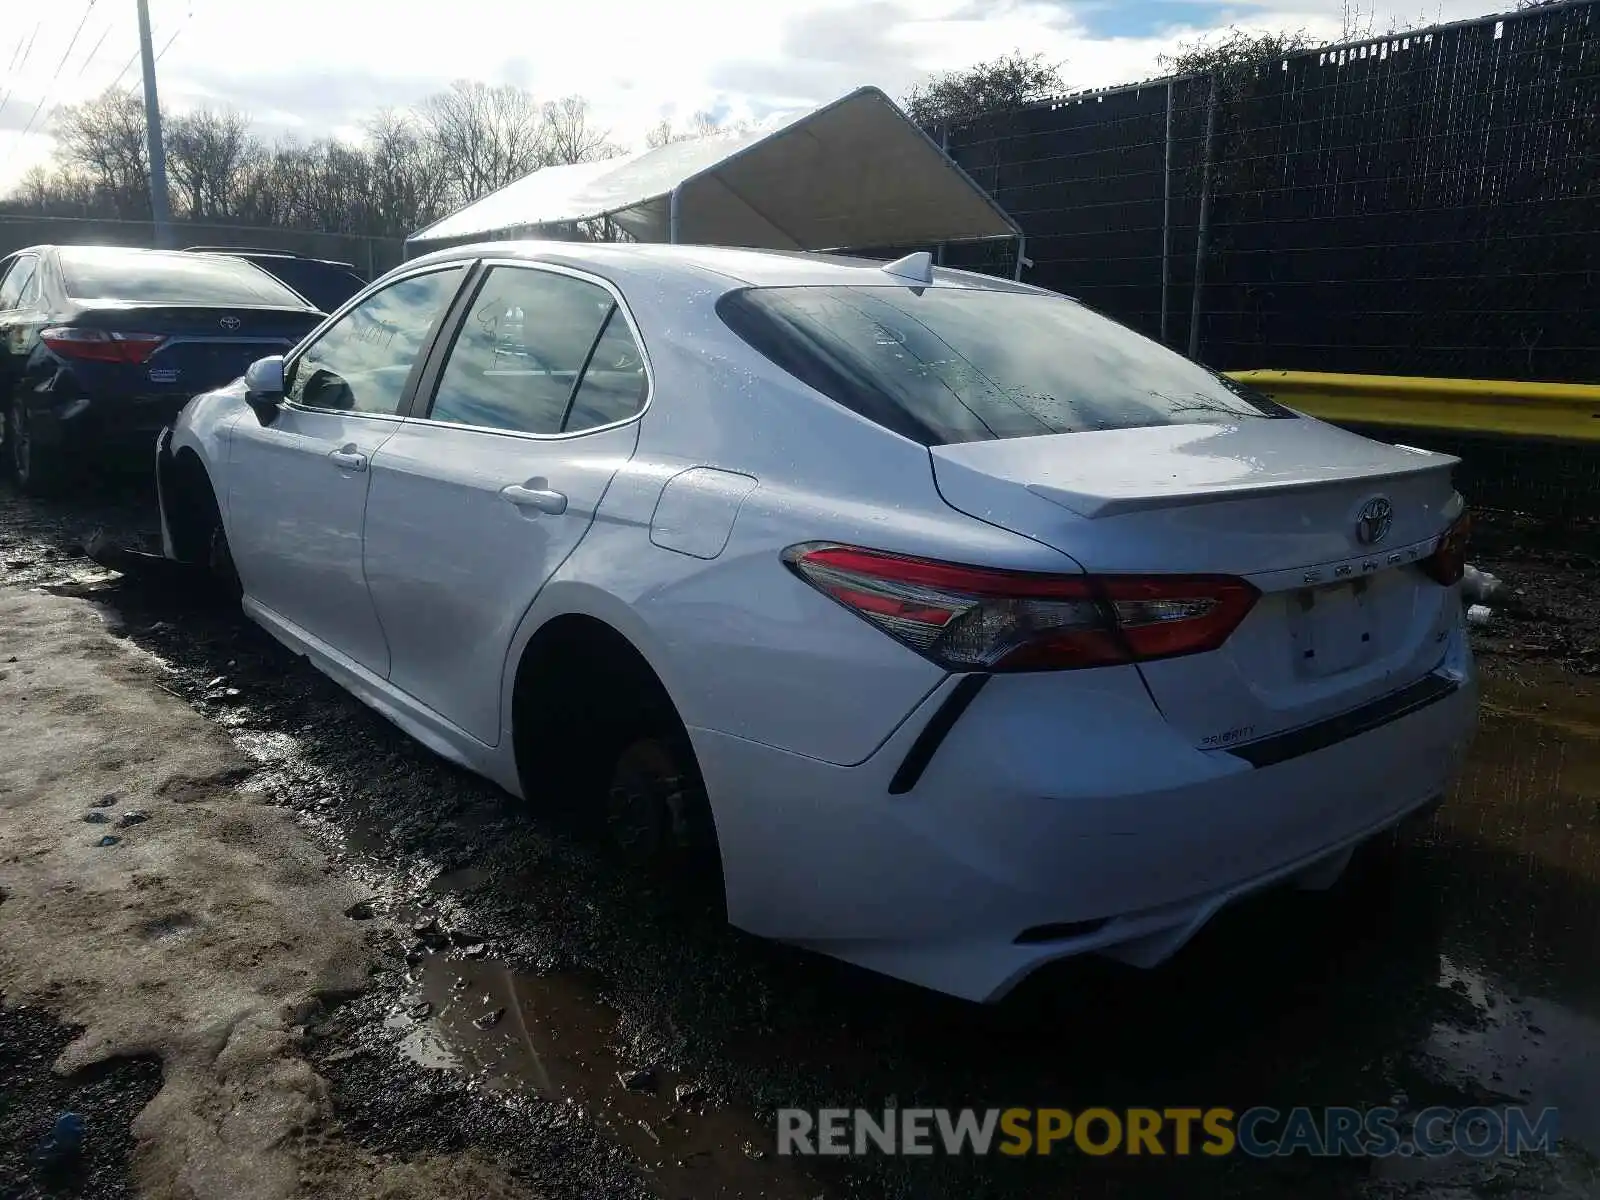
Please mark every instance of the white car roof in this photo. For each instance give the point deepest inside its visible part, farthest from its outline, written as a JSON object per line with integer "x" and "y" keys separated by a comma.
{"x": 699, "y": 265}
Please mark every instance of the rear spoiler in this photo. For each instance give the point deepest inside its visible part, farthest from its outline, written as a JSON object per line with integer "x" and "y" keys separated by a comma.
{"x": 1092, "y": 506}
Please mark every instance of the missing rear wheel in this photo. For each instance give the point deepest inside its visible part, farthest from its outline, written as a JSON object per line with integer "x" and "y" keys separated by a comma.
{"x": 657, "y": 816}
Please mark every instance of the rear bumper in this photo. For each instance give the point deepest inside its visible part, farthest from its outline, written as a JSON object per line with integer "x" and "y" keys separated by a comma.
{"x": 112, "y": 423}
{"x": 1105, "y": 824}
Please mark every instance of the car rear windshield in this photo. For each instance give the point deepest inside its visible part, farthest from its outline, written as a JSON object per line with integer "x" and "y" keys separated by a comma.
{"x": 941, "y": 364}
{"x": 147, "y": 276}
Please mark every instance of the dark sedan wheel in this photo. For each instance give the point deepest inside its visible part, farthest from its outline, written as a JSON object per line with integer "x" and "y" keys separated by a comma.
{"x": 38, "y": 469}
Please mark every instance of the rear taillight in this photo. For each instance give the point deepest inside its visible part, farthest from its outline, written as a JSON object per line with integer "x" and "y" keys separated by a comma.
{"x": 100, "y": 345}
{"x": 983, "y": 619}
{"x": 1448, "y": 562}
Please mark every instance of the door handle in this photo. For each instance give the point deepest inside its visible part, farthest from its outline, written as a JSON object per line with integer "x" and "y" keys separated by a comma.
{"x": 541, "y": 499}
{"x": 350, "y": 459}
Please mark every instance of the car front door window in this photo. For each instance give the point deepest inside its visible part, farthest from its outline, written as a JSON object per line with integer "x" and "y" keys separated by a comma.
{"x": 361, "y": 363}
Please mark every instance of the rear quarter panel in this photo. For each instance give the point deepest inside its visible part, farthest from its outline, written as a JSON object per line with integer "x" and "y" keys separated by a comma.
{"x": 744, "y": 646}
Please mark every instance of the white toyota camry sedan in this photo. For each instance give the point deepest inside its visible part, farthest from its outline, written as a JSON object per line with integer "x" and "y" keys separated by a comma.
{"x": 936, "y": 621}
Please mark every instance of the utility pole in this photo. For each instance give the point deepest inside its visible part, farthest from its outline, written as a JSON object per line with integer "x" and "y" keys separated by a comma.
{"x": 160, "y": 216}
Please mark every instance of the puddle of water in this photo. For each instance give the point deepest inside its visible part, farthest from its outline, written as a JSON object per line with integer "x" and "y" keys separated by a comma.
{"x": 1537, "y": 1050}
{"x": 1531, "y": 791}
{"x": 1522, "y": 956}
{"x": 1534, "y": 787}
{"x": 547, "y": 1035}
{"x": 463, "y": 880}
{"x": 82, "y": 584}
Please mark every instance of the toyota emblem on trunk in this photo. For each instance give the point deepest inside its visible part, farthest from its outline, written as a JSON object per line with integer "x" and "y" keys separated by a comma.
{"x": 229, "y": 322}
{"x": 1372, "y": 526}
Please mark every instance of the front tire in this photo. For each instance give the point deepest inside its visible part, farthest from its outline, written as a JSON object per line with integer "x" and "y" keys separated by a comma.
{"x": 222, "y": 575}
{"x": 194, "y": 518}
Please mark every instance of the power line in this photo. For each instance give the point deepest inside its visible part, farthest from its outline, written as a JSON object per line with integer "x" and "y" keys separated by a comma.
{"x": 31, "y": 41}
{"x": 56, "y": 78}
{"x": 15, "y": 68}
{"x": 173, "y": 38}
{"x": 132, "y": 58}
{"x": 6, "y": 94}
{"x": 95, "y": 53}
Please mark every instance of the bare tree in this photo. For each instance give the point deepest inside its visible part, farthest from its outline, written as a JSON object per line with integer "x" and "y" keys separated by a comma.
{"x": 485, "y": 136}
{"x": 410, "y": 168}
{"x": 568, "y": 136}
{"x": 701, "y": 125}
{"x": 320, "y": 185}
{"x": 661, "y": 135}
{"x": 1000, "y": 83}
{"x": 260, "y": 195}
{"x": 410, "y": 183}
{"x": 58, "y": 191}
{"x": 35, "y": 189}
{"x": 205, "y": 152}
{"x": 104, "y": 138}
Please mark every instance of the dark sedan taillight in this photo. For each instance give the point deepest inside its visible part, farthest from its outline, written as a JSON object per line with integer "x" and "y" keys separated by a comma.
{"x": 100, "y": 345}
{"x": 983, "y": 619}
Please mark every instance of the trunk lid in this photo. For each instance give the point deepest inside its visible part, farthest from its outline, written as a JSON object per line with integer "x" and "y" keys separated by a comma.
{"x": 1340, "y": 620}
{"x": 204, "y": 347}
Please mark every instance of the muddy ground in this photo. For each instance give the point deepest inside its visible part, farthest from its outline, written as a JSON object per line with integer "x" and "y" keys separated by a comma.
{"x": 529, "y": 1009}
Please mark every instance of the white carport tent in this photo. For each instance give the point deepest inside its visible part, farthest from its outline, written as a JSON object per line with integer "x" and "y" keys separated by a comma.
{"x": 854, "y": 173}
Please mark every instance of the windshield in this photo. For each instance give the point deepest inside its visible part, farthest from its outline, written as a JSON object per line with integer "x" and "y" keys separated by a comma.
{"x": 941, "y": 365}
{"x": 147, "y": 276}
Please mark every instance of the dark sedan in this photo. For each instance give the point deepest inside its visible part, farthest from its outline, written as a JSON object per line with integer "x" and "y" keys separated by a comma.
{"x": 100, "y": 347}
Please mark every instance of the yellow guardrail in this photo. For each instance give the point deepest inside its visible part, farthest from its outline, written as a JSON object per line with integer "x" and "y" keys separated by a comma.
{"x": 1562, "y": 411}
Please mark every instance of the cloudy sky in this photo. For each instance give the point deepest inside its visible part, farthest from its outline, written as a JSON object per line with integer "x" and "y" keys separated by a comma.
{"x": 310, "y": 68}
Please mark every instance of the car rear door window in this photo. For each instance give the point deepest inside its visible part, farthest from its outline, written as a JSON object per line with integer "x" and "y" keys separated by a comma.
{"x": 614, "y": 385}
{"x": 20, "y": 285}
{"x": 540, "y": 352}
{"x": 947, "y": 364}
{"x": 361, "y": 362}
{"x": 157, "y": 277}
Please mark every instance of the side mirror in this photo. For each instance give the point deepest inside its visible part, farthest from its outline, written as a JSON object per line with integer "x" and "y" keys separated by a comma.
{"x": 263, "y": 387}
